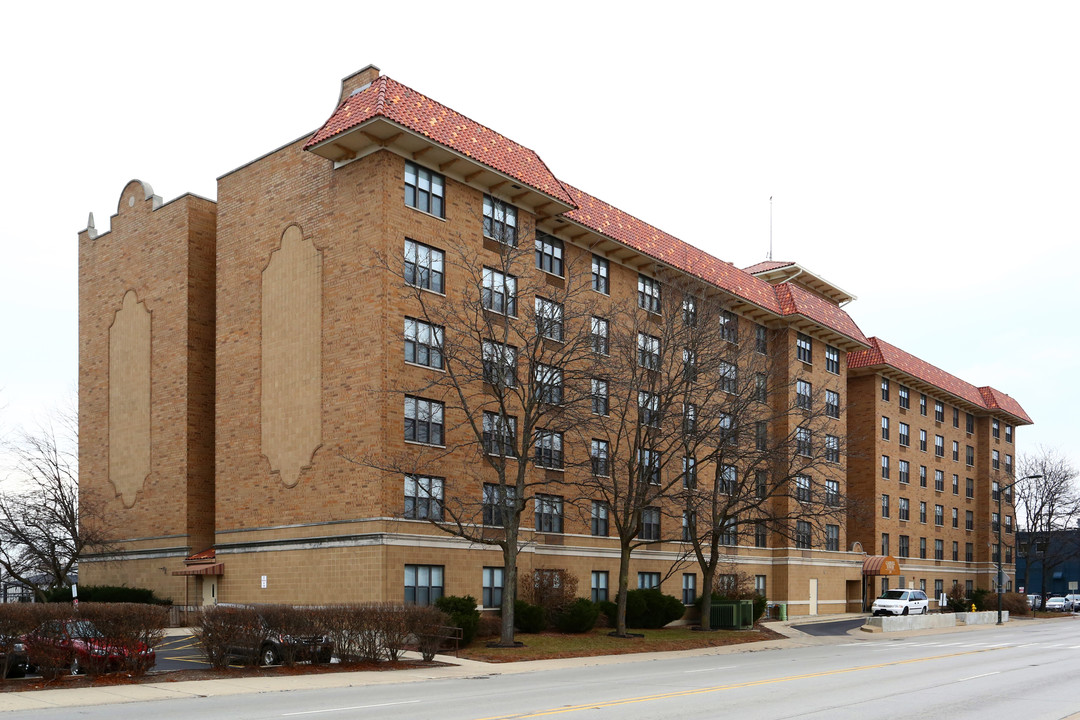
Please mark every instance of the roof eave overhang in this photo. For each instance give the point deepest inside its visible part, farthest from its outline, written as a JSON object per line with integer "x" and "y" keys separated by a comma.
{"x": 916, "y": 383}
{"x": 380, "y": 133}
{"x": 845, "y": 342}
{"x": 807, "y": 279}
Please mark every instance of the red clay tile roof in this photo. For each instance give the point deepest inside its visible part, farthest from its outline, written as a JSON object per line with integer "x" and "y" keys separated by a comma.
{"x": 204, "y": 556}
{"x": 768, "y": 265}
{"x": 882, "y": 353}
{"x": 797, "y": 300}
{"x": 402, "y": 105}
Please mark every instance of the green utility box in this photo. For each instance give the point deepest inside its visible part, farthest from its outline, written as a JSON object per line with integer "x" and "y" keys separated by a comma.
{"x": 737, "y": 615}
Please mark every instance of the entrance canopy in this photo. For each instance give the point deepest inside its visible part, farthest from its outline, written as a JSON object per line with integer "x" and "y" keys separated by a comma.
{"x": 215, "y": 569}
{"x": 880, "y": 565}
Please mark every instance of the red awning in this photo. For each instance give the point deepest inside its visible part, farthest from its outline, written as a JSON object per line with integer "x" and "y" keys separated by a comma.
{"x": 880, "y": 565}
{"x": 215, "y": 569}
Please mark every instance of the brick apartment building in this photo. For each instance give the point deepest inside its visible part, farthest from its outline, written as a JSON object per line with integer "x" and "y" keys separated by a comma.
{"x": 239, "y": 360}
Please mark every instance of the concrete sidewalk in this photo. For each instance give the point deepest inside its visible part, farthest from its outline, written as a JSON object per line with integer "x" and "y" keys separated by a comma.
{"x": 454, "y": 668}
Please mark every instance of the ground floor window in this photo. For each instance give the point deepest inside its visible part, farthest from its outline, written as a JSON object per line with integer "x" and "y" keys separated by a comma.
{"x": 689, "y": 588}
{"x": 493, "y": 587}
{"x": 759, "y": 585}
{"x": 599, "y": 585}
{"x": 423, "y": 584}
{"x": 648, "y": 580}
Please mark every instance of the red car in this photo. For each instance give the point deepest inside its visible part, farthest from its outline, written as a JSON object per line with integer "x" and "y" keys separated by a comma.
{"x": 78, "y": 646}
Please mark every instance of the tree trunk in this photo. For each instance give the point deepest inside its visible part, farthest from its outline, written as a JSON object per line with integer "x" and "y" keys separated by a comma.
{"x": 707, "y": 575}
{"x": 624, "y": 583}
{"x": 509, "y": 548}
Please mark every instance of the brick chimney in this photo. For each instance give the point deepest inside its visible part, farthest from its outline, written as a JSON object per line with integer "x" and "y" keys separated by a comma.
{"x": 358, "y": 80}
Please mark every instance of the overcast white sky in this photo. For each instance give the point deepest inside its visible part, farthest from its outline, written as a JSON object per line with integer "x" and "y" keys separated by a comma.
{"x": 924, "y": 156}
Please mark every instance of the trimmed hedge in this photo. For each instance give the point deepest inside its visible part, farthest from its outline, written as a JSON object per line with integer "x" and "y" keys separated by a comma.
{"x": 529, "y": 618}
{"x": 463, "y": 614}
{"x": 577, "y": 617}
{"x": 652, "y": 609}
{"x": 106, "y": 594}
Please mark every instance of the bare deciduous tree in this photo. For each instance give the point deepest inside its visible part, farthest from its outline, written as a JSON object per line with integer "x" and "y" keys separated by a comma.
{"x": 1046, "y": 506}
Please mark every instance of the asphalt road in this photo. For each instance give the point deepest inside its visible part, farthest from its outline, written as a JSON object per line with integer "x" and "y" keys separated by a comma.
{"x": 179, "y": 653}
{"x": 838, "y": 627}
{"x": 1022, "y": 670}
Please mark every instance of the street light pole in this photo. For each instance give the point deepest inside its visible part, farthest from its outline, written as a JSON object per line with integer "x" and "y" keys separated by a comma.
{"x": 1000, "y": 571}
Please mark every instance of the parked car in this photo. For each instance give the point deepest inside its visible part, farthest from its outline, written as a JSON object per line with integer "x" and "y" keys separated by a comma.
{"x": 1072, "y": 602}
{"x": 901, "y": 602}
{"x": 78, "y": 645}
{"x": 268, "y": 648}
{"x": 16, "y": 664}
{"x": 1034, "y": 601}
{"x": 1057, "y": 603}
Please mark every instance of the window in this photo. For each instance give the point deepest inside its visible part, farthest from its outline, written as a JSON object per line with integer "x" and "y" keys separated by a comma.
{"x": 500, "y": 434}
{"x": 689, "y": 419}
{"x": 688, "y": 526}
{"x": 500, "y": 364}
{"x": 955, "y": 518}
{"x": 904, "y": 546}
{"x": 648, "y": 293}
{"x": 905, "y": 471}
{"x": 956, "y": 417}
{"x": 648, "y": 347}
{"x": 729, "y": 377}
{"x": 955, "y": 484}
{"x": 802, "y": 535}
{"x": 689, "y": 588}
{"x": 832, "y": 403}
{"x": 549, "y": 254}
{"x": 802, "y": 488}
{"x": 939, "y": 411}
{"x": 549, "y": 452}
{"x": 499, "y": 292}
{"x": 939, "y": 446}
{"x": 939, "y": 480}
{"x": 804, "y": 348}
{"x": 885, "y": 389}
{"x": 904, "y": 396}
{"x": 424, "y": 266}
{"x": 689, "y": 311}
{"x": 761, "y": 340}
{"x": 1008, "y": 524}
{"x": 969, "y": 423}
{"x": 939, "y": 516}
{"x": 832, "y": 360}
{"x": 969, "y": 520}
{"x": 884, "y": 428}
{"x": 423, "y": 421}
{"x": 599, "y": 332}
{"x": 598, "y": 454}
{"x": 500, "y": 221}
{"x": 1008, "y": 433}
{"x": 922, "y": 404}
{"x": 832, "y": 537}
{"x": 423, "y": 584}
{"x": 969, "y": 456}
{"x": 922, "y": 476}
{"x": 939, "y": 550}
{"x": 905, "y": 509}
{"x": 599, "y": 586}
{"x": 648, "y": 409}
{"x": 599, "y": 394}
{"x": 761, "y": 388}
{"x": 994, "y": 522}
{"x": 548, "y": 384}
{"x": 884, "y": 506}
{"x": 648, "y": 466}
{"x": 832, "y": 448}
{"x": 600, "y": 276}
{"x": 689, "y": 362}
{"x": 761, "y": 535}
{"x": 969, "y": 488}
{"x": 728, "y": 534}
{"x": 995, "y": 459}
{"x": 922, "y": 512}
{"x": 761, "y": 436}
{"x": 492, "y": 587}
{"x": 955, "y": 553}
{"x": 729, "y": 326}
{"x": 885, "y": 466}
{"x": 922, "y": 440}
{"x": 500, "y": 502}
{"x": 689, "y": 472}
{"x": 424, "y": 190}
{"x": 650, "y": 530}
{"x": 549, "y": 319}
{"x": 761, "y": 484}
{"x": 995, "y": 428}
{"x": 549, "y": 513}
{"x": 956, "y": 451}
{"x": 423, "y": 497}
{"x": 832, "y": 493}
{"x": 648, "y": 580}
{"x": 423, "y": 343}
{"x": 803, "y": 441}
{"x": 803, "y": 391}
{"x": 884, "y": 547}
{"x": 1008, "y": 464}
{"x": 922, "y": 548}
{"x": 727, "y": 479}
{"x": 598, "y": 521}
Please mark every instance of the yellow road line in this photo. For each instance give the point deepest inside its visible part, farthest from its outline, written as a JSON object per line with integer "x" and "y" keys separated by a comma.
{"x": 735, "y": 686}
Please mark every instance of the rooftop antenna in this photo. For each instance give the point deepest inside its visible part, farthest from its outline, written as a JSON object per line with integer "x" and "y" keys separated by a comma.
{"x": 770, "y": 228}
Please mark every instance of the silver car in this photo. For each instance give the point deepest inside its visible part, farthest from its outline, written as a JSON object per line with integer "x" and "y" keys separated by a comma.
{"x": 1056, "y": 603}
{"x": 901, "y": 602}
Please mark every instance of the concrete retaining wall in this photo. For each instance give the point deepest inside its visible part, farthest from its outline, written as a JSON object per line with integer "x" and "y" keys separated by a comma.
{"x": 909, "y": 622}
{"x": 981, "y": 618}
